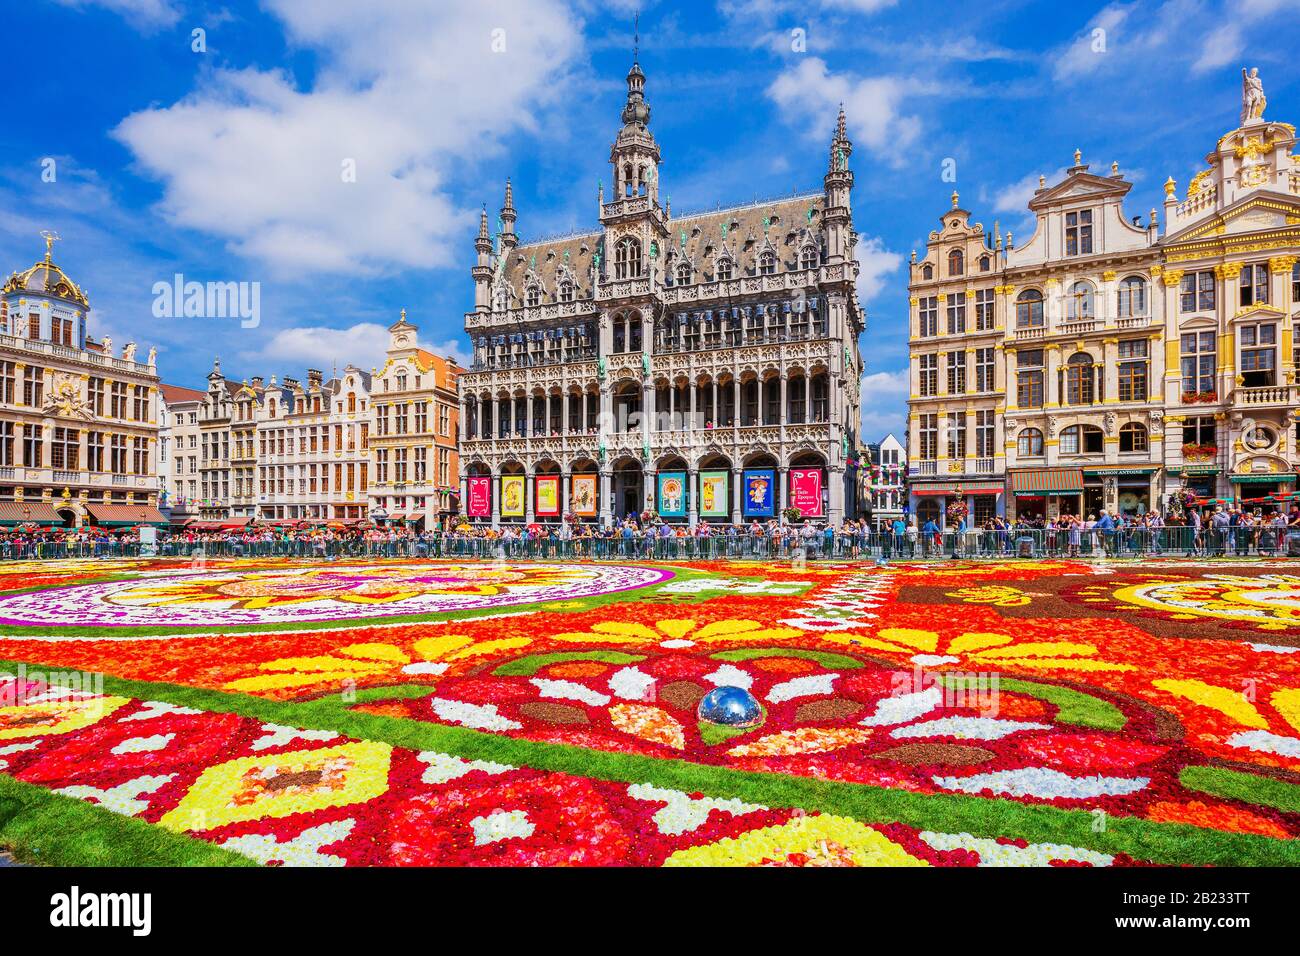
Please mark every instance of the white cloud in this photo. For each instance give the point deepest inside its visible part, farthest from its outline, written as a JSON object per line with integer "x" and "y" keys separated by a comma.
{"x": 1093, "y": 50}
{"x": 363, "y": 345}
{"x": 1221, "y": 47}
{"x": 884, "y": 404}
{"x": 144, "y": 15}
{"x": 810, "y": 94}
{"x": 875, "y": 262}
{"x": 254, "y": 159}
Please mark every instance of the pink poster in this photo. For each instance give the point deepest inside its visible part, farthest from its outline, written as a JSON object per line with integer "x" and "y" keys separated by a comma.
{"x": 806, "y": 491}
{"x": 480, "y": 497}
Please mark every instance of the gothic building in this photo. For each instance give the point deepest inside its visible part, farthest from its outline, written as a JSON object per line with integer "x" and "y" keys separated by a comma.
{"x": 698, "y": 366}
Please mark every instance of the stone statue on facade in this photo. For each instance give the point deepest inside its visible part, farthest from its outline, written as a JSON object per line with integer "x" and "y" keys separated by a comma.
{"x": 1252, "y": 95}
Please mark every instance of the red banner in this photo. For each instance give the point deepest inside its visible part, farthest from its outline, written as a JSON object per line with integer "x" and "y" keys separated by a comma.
{"x": 806, "y": 491}
{"x": 480, "y": 497}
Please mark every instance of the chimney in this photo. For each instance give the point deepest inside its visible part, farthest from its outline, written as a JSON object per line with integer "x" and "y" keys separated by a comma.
{"x": 257, "y": 382}
{"x": 314, "y": 377}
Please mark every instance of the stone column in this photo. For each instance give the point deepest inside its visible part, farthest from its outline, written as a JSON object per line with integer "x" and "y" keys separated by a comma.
{"x": 735, "y": 494}
{"x": 464, "y": 494}
{"x": 692, "y": 495}
{"x": 716, "y": 417}
{"x": 496, "y": 498}
{"x": 783, "y": 491}
{"x": 606, "y": 489}
{"x": 835, "y": 513}
{"x": 649, "y": 491}
{"x": 784, "y": 415}
{"x": 565, "y": 505}
{"x": 672, "y": 406}
{"x": 529, "y": 516}
{"x": 693, "y": 388}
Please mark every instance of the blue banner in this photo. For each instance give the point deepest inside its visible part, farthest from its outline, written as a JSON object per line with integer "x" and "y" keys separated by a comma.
{"x": 758, "y": 492}
{"x": 672, "y": 494}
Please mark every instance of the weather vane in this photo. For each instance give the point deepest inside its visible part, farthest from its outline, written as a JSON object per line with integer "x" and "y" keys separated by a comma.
{"x": 50, "y": 238}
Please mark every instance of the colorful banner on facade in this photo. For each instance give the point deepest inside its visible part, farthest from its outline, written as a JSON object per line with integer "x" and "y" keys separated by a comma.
{"x": 480, "y": 497}
{"x": 672, "y": 494}
{"x": 583, "y": 490}
{"x": 512, "y": 496}
{"x": 548, "y": 496}
{"x": 759, "y": 486}
{"x": 715, "y": 502}
{"x": 806, "y": 491}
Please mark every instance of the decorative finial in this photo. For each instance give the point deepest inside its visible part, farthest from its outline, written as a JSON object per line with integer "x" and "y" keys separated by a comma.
{"x": 50, "y": 238}
{"x": 1114, "y": 168}
{"x": 636, "y": 36}
{"x": 1078, "y": 157}
{"x": 403, "y": 316}
{"x": 1042, "y": 181}
{"x": 1170, "y": 186}
{"x": 954, "y": 199}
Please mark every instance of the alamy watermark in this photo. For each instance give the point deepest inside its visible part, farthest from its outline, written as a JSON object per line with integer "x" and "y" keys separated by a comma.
{"x": 208, "y": 300}
{"x": 37, "y": 686}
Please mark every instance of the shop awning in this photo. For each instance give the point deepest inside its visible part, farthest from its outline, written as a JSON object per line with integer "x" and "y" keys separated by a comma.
{"x": 930, "y": 488}
{"x": 1047, "y": 481}
{"x": 1121, "y": 470}
{"x": 125, "y": 515}
{"x": 1269, "y": 478}
{"x": 28, "y": 512}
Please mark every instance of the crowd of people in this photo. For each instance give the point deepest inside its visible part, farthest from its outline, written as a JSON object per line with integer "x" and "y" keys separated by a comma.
{"x": 1219, "y": 532}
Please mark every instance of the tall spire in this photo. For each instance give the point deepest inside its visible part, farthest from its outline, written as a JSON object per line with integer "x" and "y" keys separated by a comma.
{"x": 508, "y": 215}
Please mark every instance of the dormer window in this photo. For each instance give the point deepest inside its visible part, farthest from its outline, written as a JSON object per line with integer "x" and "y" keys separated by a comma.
{"x": 956, "y": 263}
{"x": 767, "y": 264}
{"x": 566, "y": 291}
{"x": 533, "y": 297}
{"x": 985, "y": 264}
{"x": 927, "y": 271}
{"x": 684, "y": 273}
{"x": 1078, "y": 233}
{"x": 808, "y": 258}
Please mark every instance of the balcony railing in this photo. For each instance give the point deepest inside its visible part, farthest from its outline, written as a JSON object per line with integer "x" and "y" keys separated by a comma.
{"x": 1264, "y": 395}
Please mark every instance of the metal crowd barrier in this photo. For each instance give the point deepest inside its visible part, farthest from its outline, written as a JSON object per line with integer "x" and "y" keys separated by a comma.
{"x": 869, "y": 546}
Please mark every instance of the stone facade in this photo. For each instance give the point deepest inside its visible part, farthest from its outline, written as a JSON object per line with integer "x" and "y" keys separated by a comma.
{"x": 78, "y": 424}
{"x": 656, "y": 344}
{"x": 1093, "y": 365}
{"x": 178, "y": 451}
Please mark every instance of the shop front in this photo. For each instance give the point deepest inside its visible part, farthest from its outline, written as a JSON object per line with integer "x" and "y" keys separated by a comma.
{"x": 1125, "y": 491}
{"x": 983, "y": 500}
{"x": 1046, "y": 493}
{"x": 1267, "y": 491}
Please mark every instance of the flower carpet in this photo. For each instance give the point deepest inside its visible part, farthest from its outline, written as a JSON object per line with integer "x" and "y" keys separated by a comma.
{"x": 443, "y": 712}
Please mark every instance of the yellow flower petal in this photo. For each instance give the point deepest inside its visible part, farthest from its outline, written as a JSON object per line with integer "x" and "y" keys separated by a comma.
{"x": 1068, "y": 663}
{"x": 432, "y": 648}
{"x": 734, "y": 626}
{"x": 274, "y": 681}
{"x": 323, "y": 663}
{"x": 1040, "y": 649}
{"x": 970, "y": 642}
{"x": 861, "y": 640}
{"x": 676, "y": 628}
{"x": 487, "y": 647}
{"x": 1231, "y": 703}
{"x": 766, "y": 634}
{"x": 1287, "y": 703}
{"x": 377, "y": 652}
{"x": 921, "y": 640}
{"x": 628, "y": 628}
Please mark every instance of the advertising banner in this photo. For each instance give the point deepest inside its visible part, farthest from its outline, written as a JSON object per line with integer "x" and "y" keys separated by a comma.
{"x": 715, "y": 498}
{"x": 548, "y": 496}
{"x": 480, "y": 497}
{"x": 512, "y": 496}
{"x": 583, "y": 489}
{"x": 806, "y": 491}
{"x": 758, "y": 492}
{"x": 672, "y": 494}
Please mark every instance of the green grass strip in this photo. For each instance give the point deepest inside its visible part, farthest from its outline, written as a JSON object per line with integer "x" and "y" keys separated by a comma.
{"x": 1073, "y": 706}
{"x": 824, "y": 658}
{"x": 952, "y": 813}
{"x": 1248, "y": 787}
{"x": 42, "y": 827}
{"x": 529, "y": 665}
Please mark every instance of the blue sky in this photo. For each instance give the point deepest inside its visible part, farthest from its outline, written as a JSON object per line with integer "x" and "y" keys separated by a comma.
{"x": 226, "y": 164}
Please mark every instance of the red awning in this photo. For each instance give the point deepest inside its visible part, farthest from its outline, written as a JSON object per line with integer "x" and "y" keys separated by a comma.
{"x": 125, "y": 514}
{"x": 1047, "y": 481}
{"x": 946, "y": 488}
{"x": 28, "y": 512}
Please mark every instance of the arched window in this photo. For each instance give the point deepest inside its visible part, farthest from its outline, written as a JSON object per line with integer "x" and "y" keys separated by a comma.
{"x": 724, "y": 269}
{"x": 627, "y": 258}
{"x": 1079, "y": 380}
{"x": 927, "y": 271}
{"x": 1132, "y": 297}
{"x": 956, "y": 263}
{"x": 1295, "y": 282}
{"x": 533, "y": 297}
{"x": 566, "y": 291}
{"x": 1079, "y": 305}
{"x": 1081, "y": 440}
{"x": 808, "y": 258}
{"x": 1029, "y": 309}
{"x": 767, "y": 264}
{"x": 1029, "y": 442}
{"x": 683, "y": 273}
{"x": 985, "y": 264}
{"x": 1133, "y": 437}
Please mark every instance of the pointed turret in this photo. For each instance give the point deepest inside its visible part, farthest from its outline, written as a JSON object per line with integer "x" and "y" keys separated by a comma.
{"x": 482, "y": 271}
{"x": 508, "y": 237}
{"x": 838, "y": 218}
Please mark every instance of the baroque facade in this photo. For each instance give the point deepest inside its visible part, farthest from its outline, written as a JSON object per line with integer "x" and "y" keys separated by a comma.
{"x": 704, "y": 365}
{"x": 1106, "y": 362}
{"x": 78, "y": 424}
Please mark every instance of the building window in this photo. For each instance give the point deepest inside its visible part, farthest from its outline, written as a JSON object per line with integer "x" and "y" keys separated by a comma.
{"x": 1132, "y": 297}
{"x": 808, "y": 258}
{"x": 1133, "y": 370}
{"x": 1295, "y": 283}
{"x": 929, "y": 437}
{"x": 1029, "y": 443}
{"x": 627, "y": 258}
{"x": 984, "y": 365}
{"x": 984, "y": 433}
{"x": 533, "y": 297}
{"x": 34, "y": 387}
{"x": 1078, "y": 233}
{"x": 566, "y": 291}
{"x": 1029, "y": 309}
{"x": 767, "y": 264}
{"x": 1202, "y": 431}
{"x": 956, "y": 314}
{"x": 1198, "y": 354}
{"x": 1079, "y": 305}
{"x": 983, "y": 310}
{"x": 684, "y": 273}
{"x": 65, "y": 450}
{"x": 985, "y": 264}
{"x": 1254, "y": 285}
{"x": 929, "y": 374}
{"x": 1081, "y": 440}
{"x": 927, "y": 271}
{"x": 1132, "y": 437}
{"x": 1258, "y": 354}
{"x": 956, "y": 372}
{"x": 33, "y": 446}
{"x": 1080, "y": 380}
{"x": 95, "y": 453}
{"x": 956, "y": 434}
{"x": 7, "y": 382}
{"x": 928, "y": 310}
{"x": 1029, "y": 379}
{"x": 724, "y": 269}
{"x": 956, "y": 263}
{"x": 1196, "y": 292}
{"x": 7, "y": 444}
